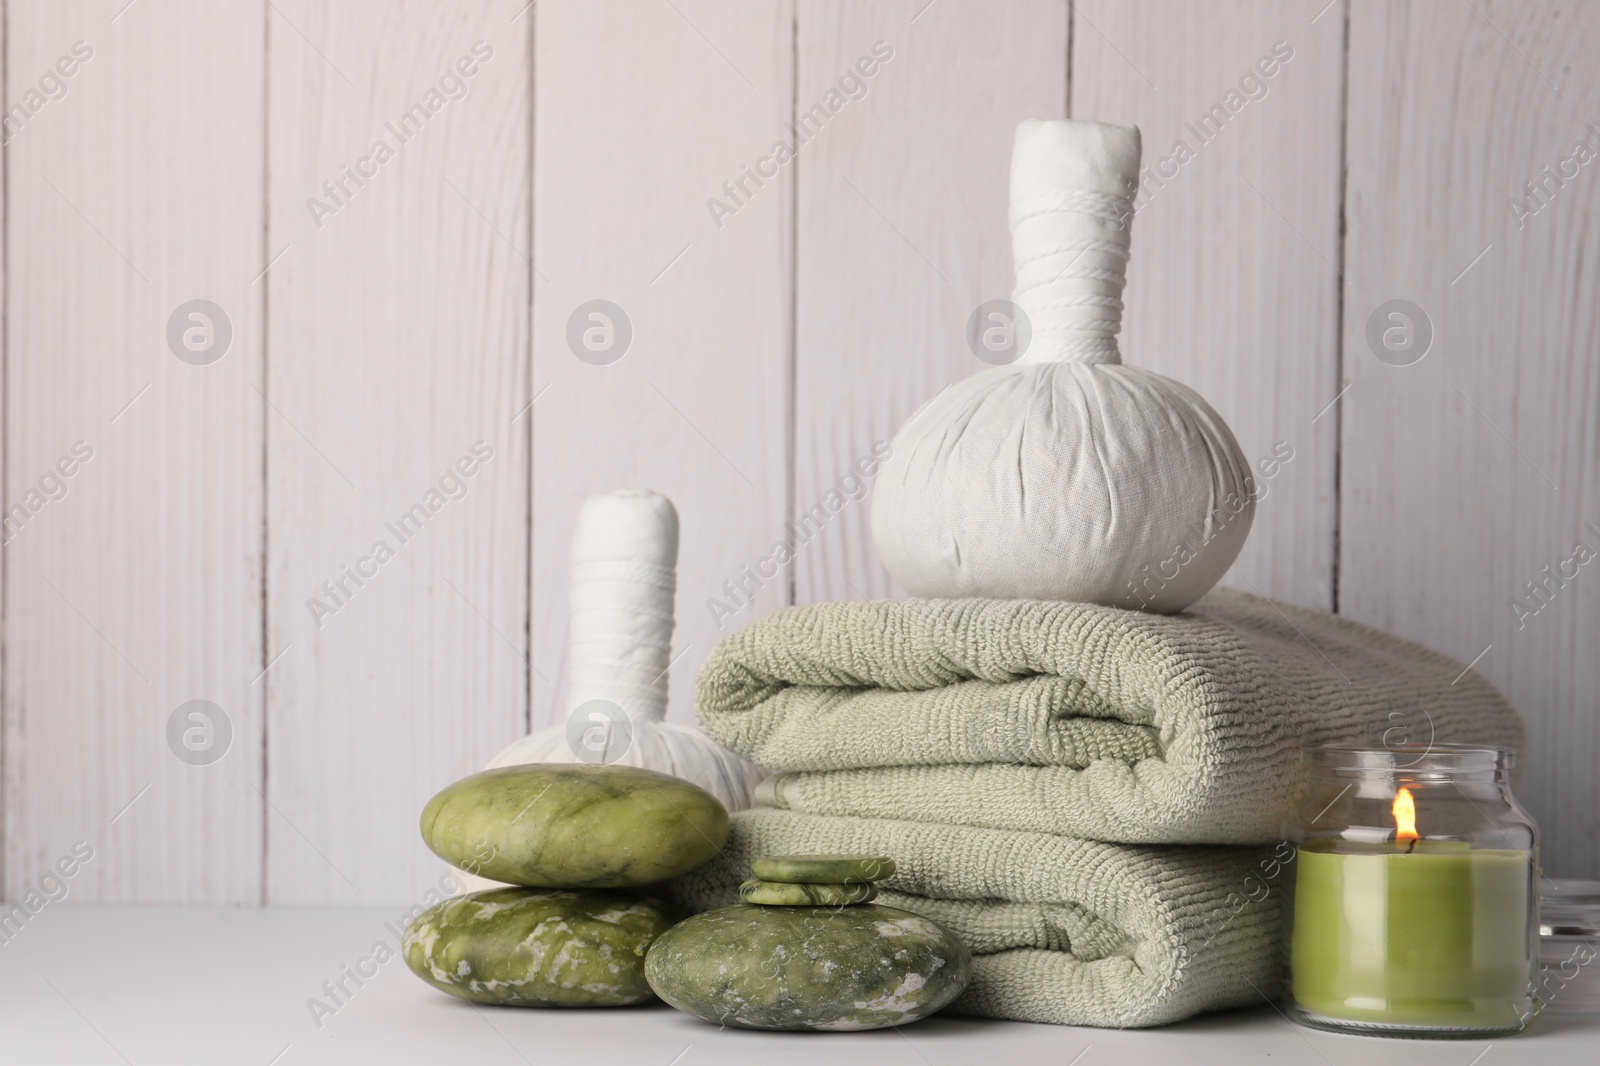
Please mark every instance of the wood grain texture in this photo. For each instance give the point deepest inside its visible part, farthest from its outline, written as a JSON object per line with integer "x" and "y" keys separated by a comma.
{"x": 1233, "y": 285}
{"x": 902, "y": 233}
{"x": 1469, "y": 472}
{"x": 644, "y": 111}
{"x": 775, "y": 340}
{"x": 397, "y": 336}
{"x": 135, "y": 186}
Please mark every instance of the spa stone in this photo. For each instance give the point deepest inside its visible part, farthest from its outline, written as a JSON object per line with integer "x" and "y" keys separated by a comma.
{"x": 523, "y": 947}
{"x": 813, "y": 968}
{"x": 823, "y": 869}
{"x": 553, "y": 825}
{"x": 786, "y": 894}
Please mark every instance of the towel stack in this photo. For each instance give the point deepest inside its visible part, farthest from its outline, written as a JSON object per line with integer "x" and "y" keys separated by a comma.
{"x": 1091, "y": 797}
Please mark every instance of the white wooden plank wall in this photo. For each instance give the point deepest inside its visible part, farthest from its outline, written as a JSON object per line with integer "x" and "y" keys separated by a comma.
{"x": 136, "y": 191}
{"x": 398, "y": 340}
{"x": 641, "y": 121}
{"x": 1233, "y": 285}
{"x": 902, "y": 232}
{"x": 381, "y": 327}
{"x": 1469, "y": 472}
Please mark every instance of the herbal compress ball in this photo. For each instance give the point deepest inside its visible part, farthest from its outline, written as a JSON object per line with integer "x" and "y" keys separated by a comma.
{"x": 624, "y": 576}
{"x": 1066, "y": 475}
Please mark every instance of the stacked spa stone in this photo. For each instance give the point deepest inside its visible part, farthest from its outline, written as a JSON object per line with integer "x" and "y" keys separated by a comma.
{"x": 815, "y": 880}
{"x": 807, "y": 949}
{"x": 580, "y": 844}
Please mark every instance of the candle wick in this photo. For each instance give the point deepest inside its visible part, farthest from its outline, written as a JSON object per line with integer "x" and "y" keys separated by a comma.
{"x": 1411, "y": 846}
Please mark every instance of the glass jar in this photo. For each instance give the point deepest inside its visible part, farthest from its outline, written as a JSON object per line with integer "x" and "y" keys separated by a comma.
{"x": 1569, "y": 945}
{"x": 1415, "y": 904}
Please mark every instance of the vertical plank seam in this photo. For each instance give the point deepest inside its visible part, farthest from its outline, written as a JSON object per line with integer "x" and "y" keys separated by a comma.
{"x": 5, "y": 441}
{"x": 527, "y": 433}
{"x": 266, "y": 452}
{"x": 1341, "y": 284}
{"x": 1066, "y": 103}
{"x": 791, "y": 431}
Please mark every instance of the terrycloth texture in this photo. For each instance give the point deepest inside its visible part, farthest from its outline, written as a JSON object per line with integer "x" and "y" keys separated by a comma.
{"x": 1070, "y": 718}
{"x": 1061, "y": 930}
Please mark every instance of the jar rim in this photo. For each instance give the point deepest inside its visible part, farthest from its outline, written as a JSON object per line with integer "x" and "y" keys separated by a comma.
{"x": 1414, "y": 758}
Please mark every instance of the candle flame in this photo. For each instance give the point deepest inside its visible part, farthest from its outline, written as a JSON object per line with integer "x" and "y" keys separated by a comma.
{"x": 1405, "y": 817}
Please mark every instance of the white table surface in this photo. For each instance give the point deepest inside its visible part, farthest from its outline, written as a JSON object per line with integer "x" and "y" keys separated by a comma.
{"x": 131, "y": 986}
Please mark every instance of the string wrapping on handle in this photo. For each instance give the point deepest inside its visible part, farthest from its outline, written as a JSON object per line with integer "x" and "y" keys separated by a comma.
{"x": 624, "y": 566}
{"x": 1071, "y": 219}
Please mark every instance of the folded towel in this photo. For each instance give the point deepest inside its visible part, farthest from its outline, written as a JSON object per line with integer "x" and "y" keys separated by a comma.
{"x": 1061, "y": 930}
{"x": 1071, "y": 718}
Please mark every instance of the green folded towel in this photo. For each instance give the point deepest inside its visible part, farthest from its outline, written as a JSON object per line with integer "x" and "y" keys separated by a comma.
{"x": 1070, "y": 718}
{"x": 1061, "y": 930}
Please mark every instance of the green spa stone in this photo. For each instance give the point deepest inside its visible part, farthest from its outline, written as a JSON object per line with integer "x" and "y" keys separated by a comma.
{"x": 783, "y": 894}
{"x": 819, "y": 968}
{"x": 823, "y": 869}
{"x": 528, "y": 947}
{"x": 574, "y": 825}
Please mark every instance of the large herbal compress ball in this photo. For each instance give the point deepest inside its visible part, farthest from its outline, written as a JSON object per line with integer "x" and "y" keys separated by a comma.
{"x": 1060, "y": 481}
{"x": 1066, "y": 475}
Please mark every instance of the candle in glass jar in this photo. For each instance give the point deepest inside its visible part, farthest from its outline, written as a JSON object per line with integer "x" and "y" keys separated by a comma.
{"x": 1425, "y": 933}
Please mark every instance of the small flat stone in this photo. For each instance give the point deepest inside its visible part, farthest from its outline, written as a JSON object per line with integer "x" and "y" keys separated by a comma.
{"x": 789, "y": 894}
{"x": 820, "y": 968}
{"x": 574, "y": 825}
{"x": 527, "y": 947}
{"x": 823, "y": 869}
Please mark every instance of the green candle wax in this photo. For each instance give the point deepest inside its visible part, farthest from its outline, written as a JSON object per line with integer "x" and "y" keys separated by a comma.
{"x": 1434, "y": 938}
